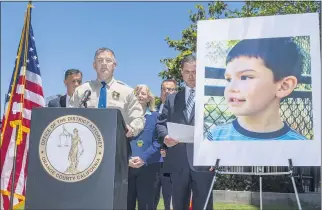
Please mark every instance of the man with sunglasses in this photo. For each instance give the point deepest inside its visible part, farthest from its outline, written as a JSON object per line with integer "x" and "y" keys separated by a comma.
{"x": 73, "y": 79}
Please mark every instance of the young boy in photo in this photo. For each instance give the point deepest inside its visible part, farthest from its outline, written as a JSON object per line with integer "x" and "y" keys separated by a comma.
{"x": 260, "y": 73}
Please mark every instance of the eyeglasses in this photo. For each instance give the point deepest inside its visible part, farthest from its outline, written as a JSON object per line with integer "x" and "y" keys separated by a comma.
{"x": 169, "y": 89}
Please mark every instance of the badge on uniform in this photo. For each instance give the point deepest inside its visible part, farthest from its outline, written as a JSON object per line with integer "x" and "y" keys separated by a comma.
{"x": 115, "y": 95}
{"x": 140, "y": 143}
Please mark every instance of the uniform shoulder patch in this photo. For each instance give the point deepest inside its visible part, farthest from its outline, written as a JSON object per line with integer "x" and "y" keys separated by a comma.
{"x": 126, "y": 88}
{"x": 120, "y": 82}
{"x": 124, "y": 84}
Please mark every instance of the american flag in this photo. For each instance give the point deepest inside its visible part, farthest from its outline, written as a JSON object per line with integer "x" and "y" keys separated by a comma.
{"x": 25, "y": 92}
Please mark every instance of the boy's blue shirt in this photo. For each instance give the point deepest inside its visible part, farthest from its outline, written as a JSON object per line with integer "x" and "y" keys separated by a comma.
{"x": 233, "y": 131}
{"x": 145, "y": 145}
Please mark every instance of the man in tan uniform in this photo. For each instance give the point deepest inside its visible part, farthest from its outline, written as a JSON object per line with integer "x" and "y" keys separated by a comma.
{"x": 119, "y": 95}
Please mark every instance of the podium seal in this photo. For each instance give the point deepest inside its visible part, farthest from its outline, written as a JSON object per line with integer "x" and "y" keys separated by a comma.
{"x": 71, "y": 148}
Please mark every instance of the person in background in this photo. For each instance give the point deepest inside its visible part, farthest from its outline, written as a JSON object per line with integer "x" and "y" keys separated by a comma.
{"x": 144, "y": 162}
{"x": 163, "y": 183}
{"x": 73, "y": 79}
{"x": 168, "y": 86}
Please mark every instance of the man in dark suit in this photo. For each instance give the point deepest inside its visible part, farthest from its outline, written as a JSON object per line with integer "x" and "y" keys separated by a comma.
{"x": 163, "y": 183}
{"x": 179, "y": 108}
{"x": 73, "y": 79}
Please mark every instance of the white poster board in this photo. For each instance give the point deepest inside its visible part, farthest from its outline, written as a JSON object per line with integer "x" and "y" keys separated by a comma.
{"x": 235, "y": 118}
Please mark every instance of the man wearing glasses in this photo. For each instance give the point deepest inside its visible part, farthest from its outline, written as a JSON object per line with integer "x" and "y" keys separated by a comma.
{"x": 168, "y": 86}
{"x": 73, "y": 79}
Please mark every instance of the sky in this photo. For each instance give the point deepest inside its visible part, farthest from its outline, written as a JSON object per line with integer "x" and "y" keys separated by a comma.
{"x": 67, "y": 34}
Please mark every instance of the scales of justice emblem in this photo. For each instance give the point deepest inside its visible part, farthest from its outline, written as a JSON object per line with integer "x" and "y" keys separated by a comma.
{"x": 71, "y": 148}
{"x": 76, "y": 148}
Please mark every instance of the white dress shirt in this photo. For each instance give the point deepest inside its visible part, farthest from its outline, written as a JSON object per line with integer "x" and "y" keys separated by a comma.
{"x": 161, "y": 108}
{"x": 67, "y": 100}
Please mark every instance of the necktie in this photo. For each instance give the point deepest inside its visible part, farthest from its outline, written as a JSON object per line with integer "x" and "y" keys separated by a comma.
{"x": 190, "y": 102}
{"x": 102, "y": 98}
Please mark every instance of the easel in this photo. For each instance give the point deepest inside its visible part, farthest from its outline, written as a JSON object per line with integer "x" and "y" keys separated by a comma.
{"x": 260, "y": 174}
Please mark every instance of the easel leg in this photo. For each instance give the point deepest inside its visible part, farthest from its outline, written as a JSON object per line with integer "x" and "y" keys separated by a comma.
{"x": 296, "y": 194}
{"x": 260, "y": 193}
{"x": 294, "y": 185}
{"x": 212, "y": 184}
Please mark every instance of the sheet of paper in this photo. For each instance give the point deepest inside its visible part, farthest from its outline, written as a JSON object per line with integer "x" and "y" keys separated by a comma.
{"x": 180, "y": 132}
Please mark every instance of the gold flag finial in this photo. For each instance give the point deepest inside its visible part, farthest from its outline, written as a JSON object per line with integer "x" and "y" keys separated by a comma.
{"x": 30, "y": 4}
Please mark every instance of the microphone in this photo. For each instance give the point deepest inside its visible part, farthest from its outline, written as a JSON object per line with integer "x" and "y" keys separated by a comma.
{"x": 85, "y": 98}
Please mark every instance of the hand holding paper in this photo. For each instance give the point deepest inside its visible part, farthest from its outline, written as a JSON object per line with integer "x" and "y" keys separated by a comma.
{"x": 170, "y": 142}
{"x": 180, "y": 132}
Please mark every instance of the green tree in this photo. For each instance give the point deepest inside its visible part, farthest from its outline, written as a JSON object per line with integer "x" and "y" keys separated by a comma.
{"x": 157, "y": 101}
{"x": 217, "y": 10}
{"x": 187, "y": 45}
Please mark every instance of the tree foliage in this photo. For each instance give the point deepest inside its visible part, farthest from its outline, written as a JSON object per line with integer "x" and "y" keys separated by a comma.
{"x": 217, "y": 10}
{"x": 188, "y": 44}
{"x": 157, "y": 101}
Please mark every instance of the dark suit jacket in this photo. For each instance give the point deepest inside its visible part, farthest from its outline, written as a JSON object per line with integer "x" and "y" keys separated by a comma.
{"x": 58, "y": 102}
{"x": 180, "y": 155}
{"x": 163, "y": 146}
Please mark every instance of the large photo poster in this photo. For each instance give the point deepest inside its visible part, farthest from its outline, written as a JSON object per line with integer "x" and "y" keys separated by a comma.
{"x": 258, "y": 95}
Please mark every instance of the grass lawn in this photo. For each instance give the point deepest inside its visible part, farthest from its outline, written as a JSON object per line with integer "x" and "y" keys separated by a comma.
{"x": 229, "y": 206}
{"x": 221, "y": 206}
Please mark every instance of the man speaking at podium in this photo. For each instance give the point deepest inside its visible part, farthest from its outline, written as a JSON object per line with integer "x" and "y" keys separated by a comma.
{"x": 105, "y": 92}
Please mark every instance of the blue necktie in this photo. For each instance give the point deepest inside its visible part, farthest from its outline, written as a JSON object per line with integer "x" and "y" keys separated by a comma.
{"x": 102, "y": 98}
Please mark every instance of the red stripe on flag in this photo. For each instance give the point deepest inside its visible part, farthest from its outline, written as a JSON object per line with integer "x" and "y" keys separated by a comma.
{"x": 5, "y": 145}
{"x": 27, "y": 103}
{"x": 6, "y": 201}
{"x": 31, "y": 86}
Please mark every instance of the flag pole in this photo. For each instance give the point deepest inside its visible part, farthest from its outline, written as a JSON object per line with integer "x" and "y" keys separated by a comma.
{"x": 18, "y": 125}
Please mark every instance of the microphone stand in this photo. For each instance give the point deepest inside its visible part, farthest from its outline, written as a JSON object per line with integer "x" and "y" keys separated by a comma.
{"x": 84, "y": 99}
{"x": 85, "y": 104}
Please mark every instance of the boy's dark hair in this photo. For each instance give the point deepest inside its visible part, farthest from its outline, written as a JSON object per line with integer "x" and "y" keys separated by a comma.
{"x": 72, "y": 71}
{"x": 281, "y": 55}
